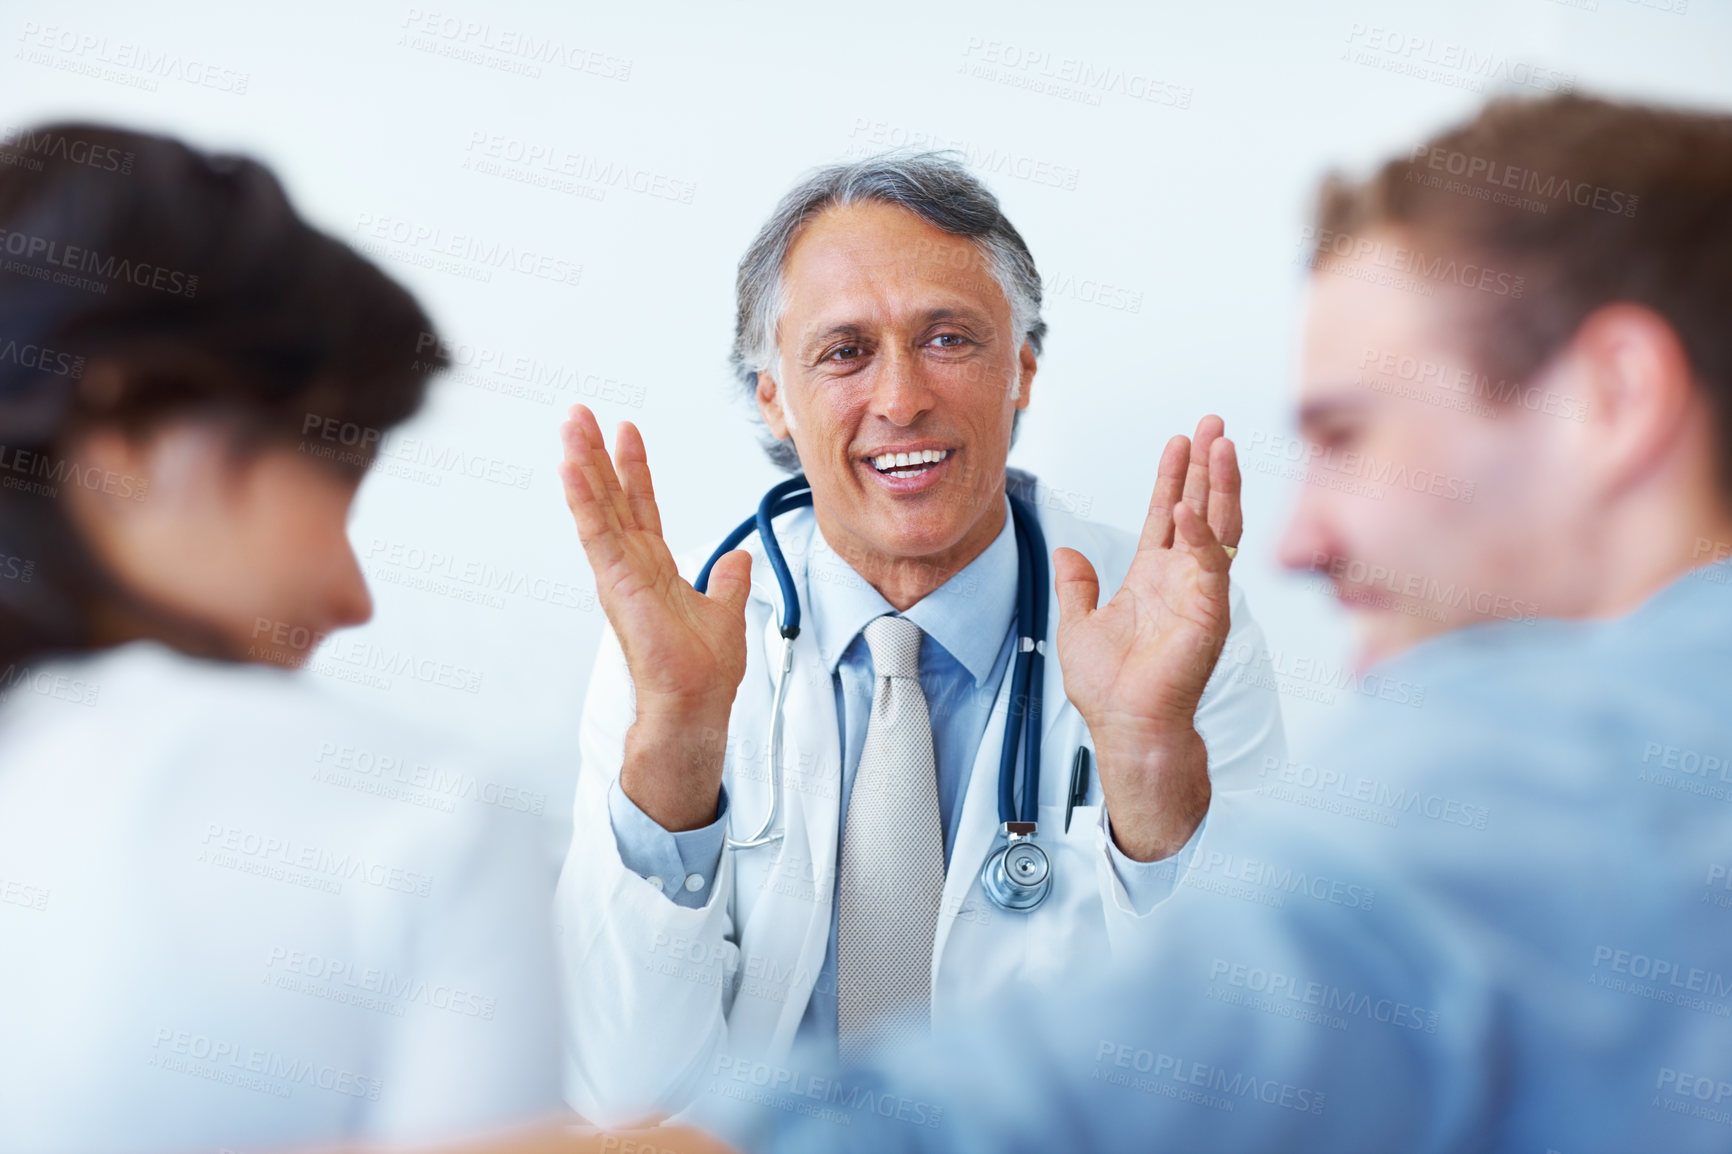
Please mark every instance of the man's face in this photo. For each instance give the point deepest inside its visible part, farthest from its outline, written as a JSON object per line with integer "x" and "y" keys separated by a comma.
{"x": 1434, "y": 497}
{"x": 897, "y": 339}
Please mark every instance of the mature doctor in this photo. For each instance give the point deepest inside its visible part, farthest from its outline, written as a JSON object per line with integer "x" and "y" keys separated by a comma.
{"x": 889, "y": 327}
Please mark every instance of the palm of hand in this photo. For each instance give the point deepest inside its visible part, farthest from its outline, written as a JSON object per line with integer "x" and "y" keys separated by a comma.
{"x": 685, "y": 644}
{"x": 683, "y": 648}
{"x": 1139, "y": 664}
{"x": 1146, "y": 655}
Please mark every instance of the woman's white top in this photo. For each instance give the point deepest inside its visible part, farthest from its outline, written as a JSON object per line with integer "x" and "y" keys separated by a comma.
{"x": 234, "y": 913}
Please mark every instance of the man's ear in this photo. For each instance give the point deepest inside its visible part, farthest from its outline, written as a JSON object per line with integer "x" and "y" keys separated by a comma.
{"x": 1025, "y": 367}
{"x": 770, "y": 407}
{"x": 1639, "y": 389}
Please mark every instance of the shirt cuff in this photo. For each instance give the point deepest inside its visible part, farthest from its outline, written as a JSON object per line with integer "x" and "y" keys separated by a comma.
{"x": 1149, "y": 883}
{"x": 681, "y": 865}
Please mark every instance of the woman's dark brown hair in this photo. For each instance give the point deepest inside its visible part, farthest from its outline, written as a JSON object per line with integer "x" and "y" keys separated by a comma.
{"x": 142, "y": 280}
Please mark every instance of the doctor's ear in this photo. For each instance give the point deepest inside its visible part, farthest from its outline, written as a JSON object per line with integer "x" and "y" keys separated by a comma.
{"x": 1026, "y": 366}
{"x": 769, "y": 396}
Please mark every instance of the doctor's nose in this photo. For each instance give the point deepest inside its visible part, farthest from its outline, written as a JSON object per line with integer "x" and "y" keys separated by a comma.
{"x": 901, "y": 393}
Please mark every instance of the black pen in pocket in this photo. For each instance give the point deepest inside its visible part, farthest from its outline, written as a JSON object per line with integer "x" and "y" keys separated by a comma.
{"x": 1079, "y": 783}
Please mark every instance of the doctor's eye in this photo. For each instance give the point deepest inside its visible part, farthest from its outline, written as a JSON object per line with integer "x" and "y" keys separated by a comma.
{"x": 845, "y": 353}
{"x": 950, "y": 341}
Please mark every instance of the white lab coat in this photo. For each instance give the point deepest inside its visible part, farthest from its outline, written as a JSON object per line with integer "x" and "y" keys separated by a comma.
{"x": 236, "y": 913}
{"x": 656, "y": 992}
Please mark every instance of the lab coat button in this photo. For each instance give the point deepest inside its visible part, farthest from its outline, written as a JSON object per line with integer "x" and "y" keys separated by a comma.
{"x": 656, "y": 882}
{"x": 695, "y": 882}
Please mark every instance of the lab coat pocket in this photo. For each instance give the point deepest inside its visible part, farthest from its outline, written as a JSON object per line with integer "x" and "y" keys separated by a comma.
{"x": 1067, "y": 933}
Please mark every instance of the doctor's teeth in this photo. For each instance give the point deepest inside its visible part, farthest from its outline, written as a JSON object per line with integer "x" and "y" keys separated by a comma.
{"x": 908, "y": 460}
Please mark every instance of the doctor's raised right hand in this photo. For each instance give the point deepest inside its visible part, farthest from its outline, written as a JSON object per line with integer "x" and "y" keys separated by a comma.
{"x": 686, "y": 651}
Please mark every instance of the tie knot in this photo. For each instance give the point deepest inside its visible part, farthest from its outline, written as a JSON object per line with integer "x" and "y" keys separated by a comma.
{"x": 895, "y": 645}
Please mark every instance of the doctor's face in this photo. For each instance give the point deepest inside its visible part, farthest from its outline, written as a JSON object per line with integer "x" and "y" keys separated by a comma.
{"x": 1430, "y": 500}
{"x": 900, "y": 376}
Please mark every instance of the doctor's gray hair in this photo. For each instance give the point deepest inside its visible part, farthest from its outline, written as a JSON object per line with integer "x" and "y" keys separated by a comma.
{"x": 935, "y": 186}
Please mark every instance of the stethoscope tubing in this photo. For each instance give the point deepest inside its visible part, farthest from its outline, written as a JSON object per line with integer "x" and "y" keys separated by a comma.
{"x": 1023, "y": 722}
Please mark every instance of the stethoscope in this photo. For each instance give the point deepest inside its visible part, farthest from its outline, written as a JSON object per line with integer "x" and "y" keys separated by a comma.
{"x": 1018, "y": 874}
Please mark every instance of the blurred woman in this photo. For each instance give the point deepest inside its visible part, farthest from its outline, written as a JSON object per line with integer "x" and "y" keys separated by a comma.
{"x": 214, "y": 929}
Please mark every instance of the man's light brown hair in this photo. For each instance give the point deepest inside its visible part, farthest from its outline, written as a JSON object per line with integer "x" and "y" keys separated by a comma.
{"x": 1589, "y": 201}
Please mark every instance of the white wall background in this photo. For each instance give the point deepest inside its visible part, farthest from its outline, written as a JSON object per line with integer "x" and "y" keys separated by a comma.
{"x": 1189, "y": 206}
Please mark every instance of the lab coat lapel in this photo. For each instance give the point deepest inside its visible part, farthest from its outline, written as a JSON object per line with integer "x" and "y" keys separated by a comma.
{"x": 791, "y": 929}
{"x": 978, "y": 829}
{"x": 977, "y": 832}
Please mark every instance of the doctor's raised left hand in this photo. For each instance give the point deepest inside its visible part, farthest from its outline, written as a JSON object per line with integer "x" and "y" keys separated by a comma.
{"x": 1136, "y": 667}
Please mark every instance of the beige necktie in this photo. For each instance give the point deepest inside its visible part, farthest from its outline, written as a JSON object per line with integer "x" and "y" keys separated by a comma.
{"x": 892, "y": 875}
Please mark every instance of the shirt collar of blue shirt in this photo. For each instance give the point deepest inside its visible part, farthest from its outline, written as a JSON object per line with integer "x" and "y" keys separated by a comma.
{"x": 968, "y": 614}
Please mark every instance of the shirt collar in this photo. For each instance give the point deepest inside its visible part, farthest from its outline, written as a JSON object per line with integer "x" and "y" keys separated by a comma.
{"x": 967, "y": 615}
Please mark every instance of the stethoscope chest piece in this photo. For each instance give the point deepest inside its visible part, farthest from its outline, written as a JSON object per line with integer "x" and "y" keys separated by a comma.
{"x": 1018, "y": 875}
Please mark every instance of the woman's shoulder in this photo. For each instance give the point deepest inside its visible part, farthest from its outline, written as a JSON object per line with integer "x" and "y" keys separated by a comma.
{"x": 143, "y": 729}
{"x": 224, "y": 856}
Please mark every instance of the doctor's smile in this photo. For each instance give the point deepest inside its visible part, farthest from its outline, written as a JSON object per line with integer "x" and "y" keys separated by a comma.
{"x": 908, "y": 469}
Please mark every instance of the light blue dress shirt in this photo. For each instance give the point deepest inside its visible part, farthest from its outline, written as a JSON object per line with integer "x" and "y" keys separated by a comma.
{"x": 1501, "y": 921}
{"x": 968, "y": 622}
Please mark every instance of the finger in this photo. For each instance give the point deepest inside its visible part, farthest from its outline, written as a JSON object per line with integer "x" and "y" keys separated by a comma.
{"x": 634, "y": 475}
{"x": 598, "y": 535}
{"x": 731, "y": 580}
{"x": 598, "y": 524}
{"x": 1194, "y": 531}
{"x": 581, "y": 438}
{"x": 1077, "y": 586}
{"x": 581, "y": 497}
{"x": 1226, "y": 515}
{"x": 579, "y": 435}
{"x": 588, "y": 451}
{"x": 1169, "y": 484}
{"x": 1209, "y": 430}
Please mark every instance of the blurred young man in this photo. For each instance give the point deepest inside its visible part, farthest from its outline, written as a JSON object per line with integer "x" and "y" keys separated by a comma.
{"x": 1499, "y": 920}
